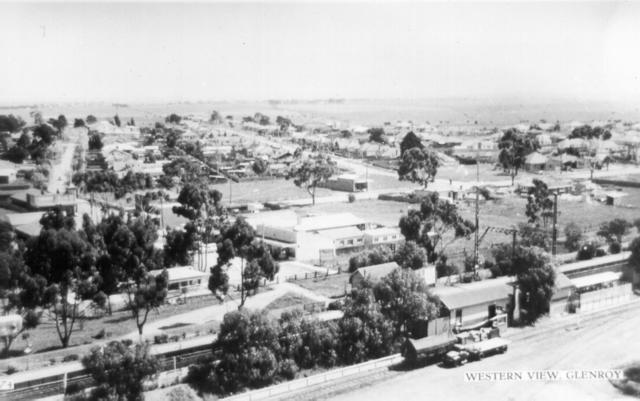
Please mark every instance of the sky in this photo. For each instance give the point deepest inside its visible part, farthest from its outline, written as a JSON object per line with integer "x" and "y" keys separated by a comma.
{"x": 143, "y": 52}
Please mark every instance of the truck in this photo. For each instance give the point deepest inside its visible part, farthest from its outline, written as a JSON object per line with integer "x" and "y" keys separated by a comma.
{"x": 474, "y": 351}
{"x": 428, "y": 349}
{"x": 455, "y": 350}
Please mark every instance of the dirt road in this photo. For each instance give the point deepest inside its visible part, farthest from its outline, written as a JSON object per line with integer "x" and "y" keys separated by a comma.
{"x": 602, "y": 344}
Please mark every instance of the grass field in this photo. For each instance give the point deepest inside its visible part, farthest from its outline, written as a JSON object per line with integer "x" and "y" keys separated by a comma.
{"x": 265, "y": 191}
{"x": 333, "y": 286}
{"x": 507, "y": 213}
{"x": 376, "y": 211}
{"x": 44, "y": 338}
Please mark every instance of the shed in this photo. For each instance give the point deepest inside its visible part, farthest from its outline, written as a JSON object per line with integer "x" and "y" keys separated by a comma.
{"x": 612, "y": 198}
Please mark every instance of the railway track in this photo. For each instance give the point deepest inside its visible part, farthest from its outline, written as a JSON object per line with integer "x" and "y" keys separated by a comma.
{"x": 338, "y": 386}
{"x": 56, "y": 385}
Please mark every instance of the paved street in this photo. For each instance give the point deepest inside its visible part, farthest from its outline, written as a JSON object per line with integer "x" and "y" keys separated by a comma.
{"x": 601, "y": 344}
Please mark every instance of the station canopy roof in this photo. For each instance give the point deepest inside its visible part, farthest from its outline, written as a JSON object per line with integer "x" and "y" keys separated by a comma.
{"x": 595, "y": 279}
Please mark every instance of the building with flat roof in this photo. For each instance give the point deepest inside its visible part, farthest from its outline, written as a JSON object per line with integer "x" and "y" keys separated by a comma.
{"x": 383, "y": 235}
{"x": 320, "y": 237}
{"x": 37, "y": 200}
{"x": 347, "y": 183}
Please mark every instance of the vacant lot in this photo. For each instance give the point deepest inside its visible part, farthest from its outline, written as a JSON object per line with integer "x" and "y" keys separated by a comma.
{"x": 333, "y": 286}
{"x": 265, "y": 191}
{"x": 387, "y": 213}
{"x": 288, "y": 300}
{"x": 589, "y": 215}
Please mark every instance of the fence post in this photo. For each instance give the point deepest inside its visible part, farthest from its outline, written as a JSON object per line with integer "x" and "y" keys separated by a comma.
{"x": 175, "y": 365}
{"x": 64, "y": 382}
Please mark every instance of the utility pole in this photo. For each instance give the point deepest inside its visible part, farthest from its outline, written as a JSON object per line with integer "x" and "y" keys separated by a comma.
{"x": 366, "y": 176}
{"x": 555, "y": 222}
{"x": 476, "y": 243}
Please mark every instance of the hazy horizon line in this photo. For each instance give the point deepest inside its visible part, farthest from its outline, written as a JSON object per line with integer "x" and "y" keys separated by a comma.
{"x": 492, "y": 99}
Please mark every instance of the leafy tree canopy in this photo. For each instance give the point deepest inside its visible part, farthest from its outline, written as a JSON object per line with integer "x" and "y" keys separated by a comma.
{"x": 435, "y": 225}
{"x": 311, "y": 172}
{"x": 120, "y": 370}
{"x": 514, "y": 147}
{"x": 11, "y": 123}
{"x": 418, "y": 165}
{"x": 410, "y": 141}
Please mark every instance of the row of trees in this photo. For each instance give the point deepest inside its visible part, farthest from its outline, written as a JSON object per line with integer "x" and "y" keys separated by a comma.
{"x": 32, "y": 146}
{"x": 254, "y": 350}
{"x": 588, "y": 132}
{"x": 11, "y": 123}
{"x": 234, "y": 239}
{"x": 64, "y": 272}
{"x": 108, "y": 181}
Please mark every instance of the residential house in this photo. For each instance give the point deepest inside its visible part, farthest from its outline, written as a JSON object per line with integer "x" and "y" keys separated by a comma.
{"x": 535, "y": 162}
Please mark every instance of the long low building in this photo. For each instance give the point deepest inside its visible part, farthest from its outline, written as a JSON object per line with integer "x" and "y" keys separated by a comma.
{"x": 322, "y": 237}
{"x": 587, "y": 267}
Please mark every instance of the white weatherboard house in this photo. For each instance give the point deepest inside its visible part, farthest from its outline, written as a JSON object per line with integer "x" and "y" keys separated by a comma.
{"x": 184, "y": 277}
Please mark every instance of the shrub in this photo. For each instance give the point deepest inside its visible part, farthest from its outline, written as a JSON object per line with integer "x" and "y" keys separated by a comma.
{"x": 11, "y": 370}
{"x": 335, "y": 305}
{"x": 100, "y": 334}
{"x": 496, "y": 271}
{"x": 587, "y": 251}
{"x": 174, "y": 338}
{"x": 443, "y": 268}
{"x": 352, "y": 198}
{"x": 378, "y": 255}
{"x": 161, "y": 339}
{"x": 600, "y": 252}
{"x": 200, "y": 376}
{"x": 288, "y": 369}
{"x": 291, "y": 253}
{"x": 73, "y": 388}
{"x": 573, "y": 235}
{"x": 615, "y": 247}
{"x": 71, "y": 357}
